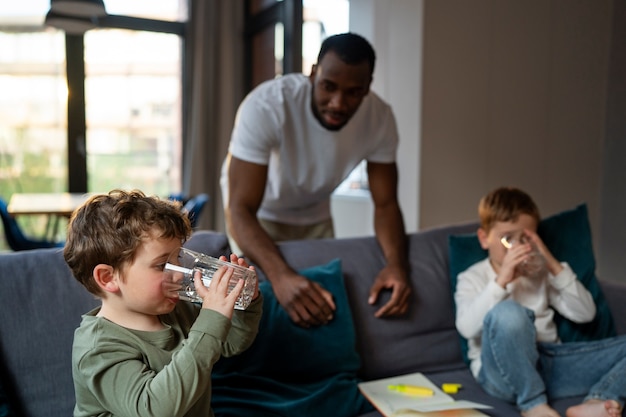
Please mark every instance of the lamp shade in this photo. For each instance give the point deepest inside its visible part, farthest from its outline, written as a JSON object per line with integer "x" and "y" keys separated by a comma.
{"x": 70, "y": 24}
{"x": 85, "y": 8}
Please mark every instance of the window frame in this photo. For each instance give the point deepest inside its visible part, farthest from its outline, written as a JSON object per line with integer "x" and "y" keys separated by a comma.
{"x": 75, "y": 73}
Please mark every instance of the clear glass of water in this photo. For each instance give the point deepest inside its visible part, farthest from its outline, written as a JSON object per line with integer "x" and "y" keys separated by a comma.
{"x": 534, "y": 264}
{"x": 184, "y": 263}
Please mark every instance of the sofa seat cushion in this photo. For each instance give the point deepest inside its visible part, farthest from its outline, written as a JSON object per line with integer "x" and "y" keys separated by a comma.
{"x": 290, "y": 370}
{"x": 568, "y": 236}
{"x": 472, "y": 391}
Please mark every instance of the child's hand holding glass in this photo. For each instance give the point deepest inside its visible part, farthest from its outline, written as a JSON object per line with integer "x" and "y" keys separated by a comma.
{"x": 185, "y": 267}
{"x": 527, "y": 250}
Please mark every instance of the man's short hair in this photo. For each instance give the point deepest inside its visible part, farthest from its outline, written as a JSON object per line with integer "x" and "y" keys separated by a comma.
{"x": 350, "y": 48}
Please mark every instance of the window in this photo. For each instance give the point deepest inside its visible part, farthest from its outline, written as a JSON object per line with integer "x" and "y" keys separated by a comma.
{"x": 131, "y": 70}
{"x": 32, "y": 112}
{"x": 272, "y": 29}
{"x": 133, "y": 110}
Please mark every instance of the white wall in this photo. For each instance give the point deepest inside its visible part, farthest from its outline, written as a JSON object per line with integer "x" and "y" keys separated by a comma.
{"x": 395, "y": 30}
{"x": 491, "y": 93}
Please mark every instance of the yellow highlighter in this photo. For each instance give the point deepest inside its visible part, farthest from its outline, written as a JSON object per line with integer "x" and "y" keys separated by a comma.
{"x": 451, "y": 388}
{"x": 412, "y": 390}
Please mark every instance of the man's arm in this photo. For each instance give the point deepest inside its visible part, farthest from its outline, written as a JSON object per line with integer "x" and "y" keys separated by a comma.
{"x": 306, "y": 302}
{"x": 391, "y": 235}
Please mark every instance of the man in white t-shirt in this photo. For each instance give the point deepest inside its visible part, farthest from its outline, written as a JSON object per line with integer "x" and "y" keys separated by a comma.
{"x": 295, "y": 139}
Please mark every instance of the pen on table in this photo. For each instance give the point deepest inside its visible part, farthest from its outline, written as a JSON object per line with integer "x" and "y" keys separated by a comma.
{"x": 412, "y": 390}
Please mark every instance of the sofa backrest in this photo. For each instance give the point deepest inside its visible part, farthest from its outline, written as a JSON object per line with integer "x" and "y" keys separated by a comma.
{"x": 425, "y": 339}
{"x": 427, "y": 332}
{"x": 41, "y": 306}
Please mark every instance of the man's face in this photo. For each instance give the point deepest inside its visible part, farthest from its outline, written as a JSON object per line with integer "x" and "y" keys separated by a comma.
{"x": 338, "y": 90}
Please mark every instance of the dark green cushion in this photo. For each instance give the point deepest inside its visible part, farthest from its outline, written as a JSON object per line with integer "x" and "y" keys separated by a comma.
{"x": 568, "y": 236}
{"x": 292, "y": 371}
{"x": 5, "y": 408}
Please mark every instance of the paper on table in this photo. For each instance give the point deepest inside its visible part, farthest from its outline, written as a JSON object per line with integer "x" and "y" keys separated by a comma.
{"x": 455, "y": 405}
{"x": 445, "y": 413}
{"x": 391, "y": 403}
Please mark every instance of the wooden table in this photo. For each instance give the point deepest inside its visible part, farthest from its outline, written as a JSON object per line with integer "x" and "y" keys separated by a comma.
{"x": 53, "y": 205}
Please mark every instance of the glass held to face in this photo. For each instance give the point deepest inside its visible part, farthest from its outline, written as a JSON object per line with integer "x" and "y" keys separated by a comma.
{"x": 183, "y": 264}
{"x": 534, "y": 264}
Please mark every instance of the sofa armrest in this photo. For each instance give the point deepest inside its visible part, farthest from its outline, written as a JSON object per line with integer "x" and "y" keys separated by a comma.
{"x": 615, "y": 294}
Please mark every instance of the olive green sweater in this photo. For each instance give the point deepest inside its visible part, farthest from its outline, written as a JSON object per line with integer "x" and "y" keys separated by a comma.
{"x": 123, "y": 372}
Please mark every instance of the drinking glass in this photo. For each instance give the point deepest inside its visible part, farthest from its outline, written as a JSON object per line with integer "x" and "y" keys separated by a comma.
{"x": 534, "y": 264}
{"x": 183, "y": 264}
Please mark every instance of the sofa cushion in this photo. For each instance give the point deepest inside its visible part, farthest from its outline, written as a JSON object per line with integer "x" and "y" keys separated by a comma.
{"x": 568, "y": 236}
{"x": 424, "y": 339}
{"x": 290, "y": 370}
{"x": 5, "y": 407}
{"x": 42, "y": 305}
{"x": 209, "y": 242}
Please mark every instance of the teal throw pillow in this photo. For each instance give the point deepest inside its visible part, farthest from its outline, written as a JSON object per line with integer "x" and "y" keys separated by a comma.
{"x": 290, "y": 370}
{"x": 568, "y": 236}
{"x": 5, "y": 408}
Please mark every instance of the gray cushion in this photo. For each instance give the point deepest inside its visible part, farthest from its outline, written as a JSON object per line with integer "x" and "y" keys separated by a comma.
{"x": 41, "y": 306}
{"x": 209, "y": 242}
{"x": 424, "y": 340}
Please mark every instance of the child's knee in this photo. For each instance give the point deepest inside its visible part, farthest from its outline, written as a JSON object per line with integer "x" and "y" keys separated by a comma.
{"x": 509, "y": 315}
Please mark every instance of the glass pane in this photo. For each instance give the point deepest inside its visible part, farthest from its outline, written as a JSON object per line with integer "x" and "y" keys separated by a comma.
{"x": 33, "y": 108}
{"x": 133, "y": 110}
{"x": 322, "y": 18}
{"x": 170, "y": 10}
{"x": 23, "y": 13}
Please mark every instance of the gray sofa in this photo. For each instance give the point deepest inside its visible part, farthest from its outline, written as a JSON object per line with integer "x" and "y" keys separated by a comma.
{"x": 42, "y": 304}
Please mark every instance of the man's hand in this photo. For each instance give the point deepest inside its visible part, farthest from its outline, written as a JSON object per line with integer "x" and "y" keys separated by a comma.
{"x": 307, "y": 303}
{"x": 394, "y": 279}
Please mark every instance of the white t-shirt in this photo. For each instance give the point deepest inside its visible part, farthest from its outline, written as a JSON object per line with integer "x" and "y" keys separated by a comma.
{"x": 477, "y": 292}
{"x": 275, "y": 126}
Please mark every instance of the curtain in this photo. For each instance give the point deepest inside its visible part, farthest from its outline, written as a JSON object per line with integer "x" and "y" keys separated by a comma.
{"x": 213, "y": 90}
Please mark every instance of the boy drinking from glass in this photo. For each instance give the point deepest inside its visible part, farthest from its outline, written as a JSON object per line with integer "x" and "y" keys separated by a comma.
{"x": 144, "y": 352}
{"x": 505, "y": 309}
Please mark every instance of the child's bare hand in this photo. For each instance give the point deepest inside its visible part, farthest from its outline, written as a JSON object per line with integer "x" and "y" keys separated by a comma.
{"x": 216, "y": 296}
{"x": 554, "y": 266}
{"x": 242, "y": 262}
{"x": 514, "y": 256}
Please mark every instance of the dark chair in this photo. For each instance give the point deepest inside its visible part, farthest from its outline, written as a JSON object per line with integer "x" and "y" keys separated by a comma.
{"x": 178, "y": 197}
{"x": 16, "y": 238}
{"x": 193, "y": 207}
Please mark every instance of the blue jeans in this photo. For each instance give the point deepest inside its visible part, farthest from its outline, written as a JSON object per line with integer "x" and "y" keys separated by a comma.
{"x": 517, "y": 369}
